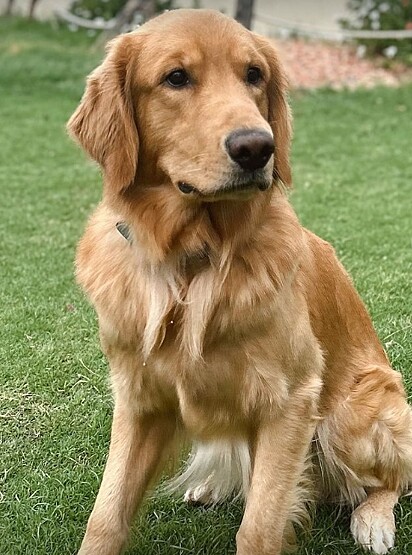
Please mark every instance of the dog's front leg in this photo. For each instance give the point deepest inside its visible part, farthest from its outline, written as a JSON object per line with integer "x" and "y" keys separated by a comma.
{"x": 136, "y": 449}
{"x": 280, "y": 451}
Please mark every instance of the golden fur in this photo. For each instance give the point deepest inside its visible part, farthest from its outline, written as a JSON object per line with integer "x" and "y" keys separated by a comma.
{"x": 221, "y": 316}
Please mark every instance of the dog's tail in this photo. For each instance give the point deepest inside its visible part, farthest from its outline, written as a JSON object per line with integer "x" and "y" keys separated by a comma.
{"x": 221, "y": 469}
{"x": 215, "y": 471}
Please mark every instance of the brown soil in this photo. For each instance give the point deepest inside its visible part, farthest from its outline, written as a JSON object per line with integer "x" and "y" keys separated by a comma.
{"x": 311, "y": 64}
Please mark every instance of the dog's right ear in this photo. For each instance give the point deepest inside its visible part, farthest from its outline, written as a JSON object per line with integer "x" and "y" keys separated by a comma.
{"x": 279, "y": 111}
{"x": 104, "y": 122}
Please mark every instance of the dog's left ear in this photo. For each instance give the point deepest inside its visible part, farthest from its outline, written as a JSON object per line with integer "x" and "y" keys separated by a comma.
{"x": 104, "y": 122}
{"x": 280, "y": 117}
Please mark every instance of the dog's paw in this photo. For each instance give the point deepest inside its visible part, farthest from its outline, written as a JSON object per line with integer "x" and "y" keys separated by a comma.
{"x": 373, "y": 530}
{"x": 201, "y": 495}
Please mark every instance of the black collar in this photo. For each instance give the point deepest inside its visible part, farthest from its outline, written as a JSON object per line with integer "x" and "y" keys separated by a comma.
{"x": 195, "y": 258}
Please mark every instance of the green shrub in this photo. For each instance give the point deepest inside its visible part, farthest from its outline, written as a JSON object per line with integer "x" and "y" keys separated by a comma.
{"x": 382, "y": 15}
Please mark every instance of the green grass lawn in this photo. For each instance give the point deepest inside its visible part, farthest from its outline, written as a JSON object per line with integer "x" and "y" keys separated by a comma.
{"x": 353, "y": 186}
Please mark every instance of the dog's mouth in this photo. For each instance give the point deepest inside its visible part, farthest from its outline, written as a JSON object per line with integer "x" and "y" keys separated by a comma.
{"x": 239, "y": 188}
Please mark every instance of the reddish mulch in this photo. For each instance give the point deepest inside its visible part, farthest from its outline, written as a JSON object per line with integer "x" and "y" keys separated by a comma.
{"x": 312, "y": 64}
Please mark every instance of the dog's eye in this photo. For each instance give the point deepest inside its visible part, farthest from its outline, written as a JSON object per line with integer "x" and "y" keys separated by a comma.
{"x": 177, "y": 78}
{"x": 254, "y": 75}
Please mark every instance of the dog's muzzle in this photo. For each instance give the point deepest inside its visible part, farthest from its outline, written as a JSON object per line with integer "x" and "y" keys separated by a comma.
{"x": 251, "y": 150}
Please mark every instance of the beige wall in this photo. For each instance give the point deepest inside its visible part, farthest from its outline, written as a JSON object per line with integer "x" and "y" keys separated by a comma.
{"x": 44, "y": 8}
{"x": 323, "y": 14}
{"x": 320, "y": 13}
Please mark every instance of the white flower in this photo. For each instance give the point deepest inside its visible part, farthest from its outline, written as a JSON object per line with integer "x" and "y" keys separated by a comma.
{"x": 361, "y": 51}
{"x": 390, "y": 51}
{"x": 284, "y": 33}
{"x": 363, "y": 12}
{"x": 375, "y": 15}
{"x": 375, "y": 25}
{"x": 384, "y": 7}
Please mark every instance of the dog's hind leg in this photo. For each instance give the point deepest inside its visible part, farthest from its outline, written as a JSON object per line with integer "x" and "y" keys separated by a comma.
{"x": 365, "y": 453}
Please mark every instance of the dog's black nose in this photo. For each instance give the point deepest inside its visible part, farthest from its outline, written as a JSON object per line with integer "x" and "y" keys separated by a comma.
{"x": 250, "y": 148}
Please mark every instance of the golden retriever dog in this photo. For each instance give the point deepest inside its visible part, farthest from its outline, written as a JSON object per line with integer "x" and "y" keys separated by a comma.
{"x": 223, "y": 319}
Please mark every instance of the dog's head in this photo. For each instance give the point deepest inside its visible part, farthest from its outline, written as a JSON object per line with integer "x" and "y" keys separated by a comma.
{"x": 192, "y": 100}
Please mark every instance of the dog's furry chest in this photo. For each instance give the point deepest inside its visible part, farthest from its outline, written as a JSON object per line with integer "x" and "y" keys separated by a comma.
{"x": 238, "y": 378}
{"x": 217, "y": 350}
{"x": 222, "y": 393}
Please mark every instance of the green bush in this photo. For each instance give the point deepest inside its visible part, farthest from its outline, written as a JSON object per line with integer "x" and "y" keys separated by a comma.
{"x": 382, "y": 15}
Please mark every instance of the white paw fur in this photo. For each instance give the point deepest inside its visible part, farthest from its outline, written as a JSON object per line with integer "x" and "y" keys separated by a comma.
{"x": 203, "y": 493}
{"x": 373, "y": 530}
